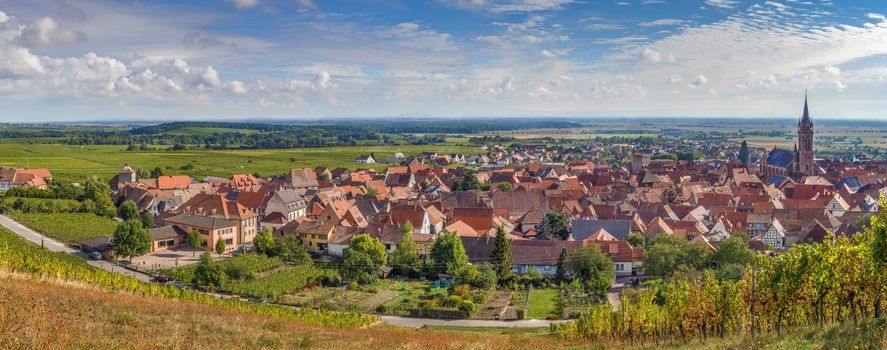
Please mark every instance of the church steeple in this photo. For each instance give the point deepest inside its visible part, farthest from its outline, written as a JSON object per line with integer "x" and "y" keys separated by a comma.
{"x": 804, "y": 147}
{"x": 805, "y": 118}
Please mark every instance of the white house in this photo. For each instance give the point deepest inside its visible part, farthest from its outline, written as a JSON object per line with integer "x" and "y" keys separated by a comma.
{"x": 366, "y": 160}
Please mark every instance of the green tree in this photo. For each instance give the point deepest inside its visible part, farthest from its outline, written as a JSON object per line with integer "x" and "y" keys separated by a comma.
{"x": 482, "y": 276}
{"x": 128, "y": 211}
{"x": 290, "y": 249}
{"x": 553, "y": 225}
{"x": 131, "y": 239}
{"x": 561, "y": 272}
{"x": 207, "y": 273}
{"x": 405, "y": 259}
{"x": 500, "y": 257}
{"x": 591, "y": 265}
{"x": 148, "y": 220}
{"x": 157, "y": 172}
{"x": 669, "y": 254}
{"x": 505, "y": 187}
{"x": 743, "y": 152}
{"x": 636, "y": 240}
{"x": 195, "y": 240}
{"x": 264, "y": 242}
{"x": 363, "y": 258}
{"x": 220, "y": 246}
{"x": 100, "y": 194}
{"x": 732, "y": 256}
{"x": 447, "y": 254}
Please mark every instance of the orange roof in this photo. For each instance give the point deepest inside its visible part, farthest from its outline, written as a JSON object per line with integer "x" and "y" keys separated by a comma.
{"x": 41, "y": 172}
{"x": 173, "y": 182}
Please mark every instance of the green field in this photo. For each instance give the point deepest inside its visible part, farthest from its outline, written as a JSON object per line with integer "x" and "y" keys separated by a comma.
{"x": 544, "y": 303}
{"x": 78, "y": 163}
{"x": 67, "y": 227}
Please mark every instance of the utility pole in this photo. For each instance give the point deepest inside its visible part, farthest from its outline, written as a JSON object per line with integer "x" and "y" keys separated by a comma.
{"x": 753, "y": 316}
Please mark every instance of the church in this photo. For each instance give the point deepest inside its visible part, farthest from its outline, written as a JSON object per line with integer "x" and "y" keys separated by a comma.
{"x": 797, "y": 163}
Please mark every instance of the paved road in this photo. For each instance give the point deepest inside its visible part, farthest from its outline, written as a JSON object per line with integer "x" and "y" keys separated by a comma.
{"x": 420, "y": 322}
{"x": 614, "y": 292}
{"x": 57, "y": 246}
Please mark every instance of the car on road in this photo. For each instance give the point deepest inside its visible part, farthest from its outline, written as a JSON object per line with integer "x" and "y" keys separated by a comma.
{"x": 160, "y": 279}
{"x": 95, "y": 256}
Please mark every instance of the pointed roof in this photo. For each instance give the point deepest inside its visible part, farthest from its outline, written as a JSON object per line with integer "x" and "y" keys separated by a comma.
{"x": 805, "y": 118}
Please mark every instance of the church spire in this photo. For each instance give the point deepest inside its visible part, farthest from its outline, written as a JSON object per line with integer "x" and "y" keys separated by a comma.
{"x": 805, "y": 119}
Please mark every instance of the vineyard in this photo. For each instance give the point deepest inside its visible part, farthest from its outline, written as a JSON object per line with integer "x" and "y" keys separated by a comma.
{"x": 244, "y": 266}
{"x": 18, "y": 256}
{"x": 280, "y": 282}
{"x": 838, "y": 281}
{"x": 67, "y": 227}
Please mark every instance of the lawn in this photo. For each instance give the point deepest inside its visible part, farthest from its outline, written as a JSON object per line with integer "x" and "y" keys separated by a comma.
{"x": 78, "y": 163}
{"x": 67, "y": 227}
{"x": 544, "y": 303}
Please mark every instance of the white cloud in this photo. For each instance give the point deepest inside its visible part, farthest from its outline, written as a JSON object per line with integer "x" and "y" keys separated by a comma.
{"x": 651, "y": 56}
{"x": 724, "y": 4}
{"x": 699, "y": 81}
{"x": 244, "y": 4}
{"x": 509, "y": 6}
{"x": 47, "y": 31}
{"x": 662, "y": 22}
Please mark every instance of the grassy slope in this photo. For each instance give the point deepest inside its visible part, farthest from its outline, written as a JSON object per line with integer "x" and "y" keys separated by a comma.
{"x": 77, "y": 163}
{"x": 48, "y": 315}
{"x": 67, "y": 227}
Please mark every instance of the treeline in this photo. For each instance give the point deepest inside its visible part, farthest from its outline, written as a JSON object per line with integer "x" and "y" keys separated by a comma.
{"x": 840, "y": 280}
{"x": 276, "y": 136}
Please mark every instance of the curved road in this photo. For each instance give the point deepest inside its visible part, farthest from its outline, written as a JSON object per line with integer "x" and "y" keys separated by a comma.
{"x": 410, "y": 322}
{"x": 56, "y": 246}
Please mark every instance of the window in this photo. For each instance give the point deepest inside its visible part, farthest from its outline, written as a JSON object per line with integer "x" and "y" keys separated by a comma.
{"x": 161, "y": 243}
{"x": 547, "y": 268}
{"x": 170, "y": 243}
{"x": 229, "y": 241}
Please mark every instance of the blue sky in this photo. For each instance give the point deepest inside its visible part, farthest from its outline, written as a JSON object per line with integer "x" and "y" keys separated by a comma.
{"x": 141, "y": 60}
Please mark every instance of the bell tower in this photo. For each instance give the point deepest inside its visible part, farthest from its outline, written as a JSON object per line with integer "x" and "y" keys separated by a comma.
{"x": 804, "y": 157}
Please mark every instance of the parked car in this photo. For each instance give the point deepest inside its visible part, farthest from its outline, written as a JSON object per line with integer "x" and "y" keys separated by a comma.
{"x": 95, "y": 256}
{"x": 160, "y": 279}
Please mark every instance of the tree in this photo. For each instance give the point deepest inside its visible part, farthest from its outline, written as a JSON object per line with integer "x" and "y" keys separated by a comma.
{"x": 635, "y": 239}
{"x": 553, "y": 225}
{"x": 220, "y": 246}
{"x": 157, "y": 172}
{"x": 264, "y": 242}
{"x": 128, "y": 211}
{"x": 447, "y": 254}
{"x": 195, "y": 240}
{"x": 131, "y": 239}
{"x": 363, "y": 258}
{"x": 405, "y": 259}
{"x": 591, "y": 265}
{"x": 561, "y": 272}
{"x": 290, "y": 249}
{"x": 501, "y": 254}
{"x": 505, "y": 187}
{"x": 743, "y": 152}
{"x": 207, "y": 274}
{"x": 99, "y": 192}
{"x": 148, "y": 220}
{"x": 468, "y": 182}
{"x": 734, "y": 254}
{"x": 669, "y": 254}
{"x": 481, "y": 276}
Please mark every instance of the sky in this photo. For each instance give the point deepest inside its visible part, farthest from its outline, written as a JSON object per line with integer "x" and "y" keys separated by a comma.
{"x": 242, "y": 59}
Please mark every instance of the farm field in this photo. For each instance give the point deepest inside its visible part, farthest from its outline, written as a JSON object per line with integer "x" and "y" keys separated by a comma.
{"x": 78, "y": 163}
{"x": 67, "y": 227}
